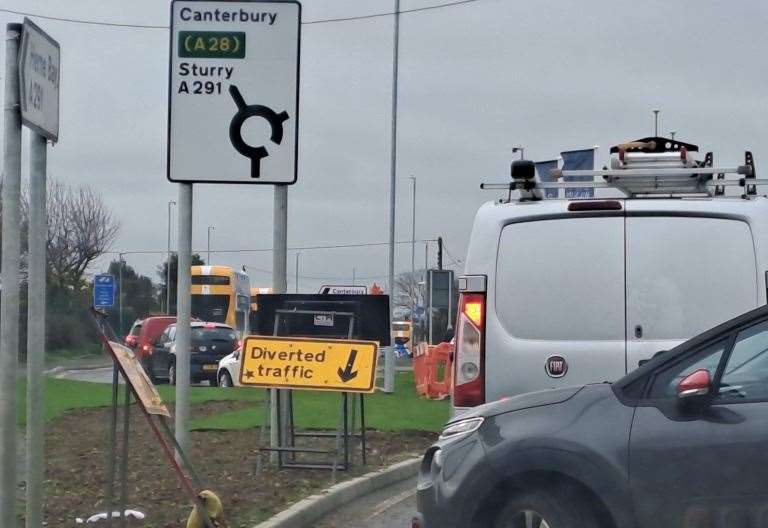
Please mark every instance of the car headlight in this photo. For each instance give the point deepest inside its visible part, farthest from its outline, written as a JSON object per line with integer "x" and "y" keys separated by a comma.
{"x": 461, "y": 427}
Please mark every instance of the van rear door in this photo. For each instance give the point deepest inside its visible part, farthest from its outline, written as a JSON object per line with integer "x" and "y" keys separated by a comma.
{"x": 558, "y": 295}
{"x": 684, "y": 274}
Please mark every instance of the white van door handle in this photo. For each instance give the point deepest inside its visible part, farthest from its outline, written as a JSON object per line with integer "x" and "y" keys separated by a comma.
{"x": 638, "y": 331}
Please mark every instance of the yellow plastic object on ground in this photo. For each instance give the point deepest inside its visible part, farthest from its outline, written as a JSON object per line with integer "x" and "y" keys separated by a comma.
{"x": 212, "y": 505}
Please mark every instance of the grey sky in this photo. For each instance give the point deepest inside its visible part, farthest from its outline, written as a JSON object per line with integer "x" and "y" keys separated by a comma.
{"x": 475, "y": 80}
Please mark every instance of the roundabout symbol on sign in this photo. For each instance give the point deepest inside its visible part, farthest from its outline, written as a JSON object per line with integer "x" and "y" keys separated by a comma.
{"x": 275, "y": 120}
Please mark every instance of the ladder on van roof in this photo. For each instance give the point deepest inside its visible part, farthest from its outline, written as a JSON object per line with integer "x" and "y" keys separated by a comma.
{"x": 645, "y": 167}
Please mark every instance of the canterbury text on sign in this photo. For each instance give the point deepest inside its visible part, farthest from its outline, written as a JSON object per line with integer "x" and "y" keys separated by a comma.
{"x": 304, "y": 363}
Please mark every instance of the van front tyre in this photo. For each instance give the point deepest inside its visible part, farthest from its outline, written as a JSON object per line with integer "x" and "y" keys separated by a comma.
{"x": 550, "y": 508}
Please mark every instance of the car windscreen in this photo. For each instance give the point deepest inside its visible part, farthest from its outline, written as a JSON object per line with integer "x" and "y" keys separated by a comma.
{"x": 212, "y": 308}
{"x": 135, "y": 330}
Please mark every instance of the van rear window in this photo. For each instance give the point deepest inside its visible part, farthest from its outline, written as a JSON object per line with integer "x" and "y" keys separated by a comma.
{"x": 562, "y": 279}
{"x": 687, "y": 274}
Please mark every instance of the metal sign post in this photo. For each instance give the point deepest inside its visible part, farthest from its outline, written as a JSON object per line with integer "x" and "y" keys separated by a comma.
{"x": 39, "y": 76}
{"x": 183, "y": 315}
{"x": 231, "y": 62}
{"x": 9, "y": 298}
{"x": 36, "y": 330}
{"x": 278, "y": 398}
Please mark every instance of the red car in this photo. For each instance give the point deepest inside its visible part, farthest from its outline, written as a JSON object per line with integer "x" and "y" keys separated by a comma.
{"x": 145, "y": 332}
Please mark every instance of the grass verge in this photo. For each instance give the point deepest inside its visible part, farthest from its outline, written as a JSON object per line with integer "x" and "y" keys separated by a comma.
{"x": 402, "y": 411}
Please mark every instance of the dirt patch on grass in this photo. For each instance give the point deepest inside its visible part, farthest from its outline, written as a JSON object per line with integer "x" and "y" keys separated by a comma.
{"x": 76, "y": 446}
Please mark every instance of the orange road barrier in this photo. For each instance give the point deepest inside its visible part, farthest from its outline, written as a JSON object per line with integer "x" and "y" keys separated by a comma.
{"x": 432, "y": 369}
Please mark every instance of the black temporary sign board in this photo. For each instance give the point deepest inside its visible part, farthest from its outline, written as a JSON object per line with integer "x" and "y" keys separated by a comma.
{"x": 371, "y": 321}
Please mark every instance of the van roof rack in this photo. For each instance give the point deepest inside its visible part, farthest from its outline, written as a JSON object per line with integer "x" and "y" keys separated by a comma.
{"x": 644, "y": 167}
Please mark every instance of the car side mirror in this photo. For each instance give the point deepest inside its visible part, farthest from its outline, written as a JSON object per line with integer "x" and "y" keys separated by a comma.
{"x": 695, "y": 385}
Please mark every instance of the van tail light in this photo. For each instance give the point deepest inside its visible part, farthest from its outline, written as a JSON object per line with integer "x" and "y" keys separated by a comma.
{"x": 469, "y": 374}
{"x": 146, "y": 348}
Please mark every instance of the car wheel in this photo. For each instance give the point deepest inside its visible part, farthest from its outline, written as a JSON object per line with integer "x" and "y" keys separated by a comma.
{"x": 550, "y": 508}
{"x": 172, "y": 374}
{"x": 225, "y": 380}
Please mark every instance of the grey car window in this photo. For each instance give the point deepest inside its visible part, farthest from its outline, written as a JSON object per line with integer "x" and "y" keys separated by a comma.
{"x": 746, "y": 373}
{"x": 665, "y": 383}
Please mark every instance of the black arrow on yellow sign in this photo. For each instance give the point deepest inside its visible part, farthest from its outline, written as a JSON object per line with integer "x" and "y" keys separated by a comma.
{"x": 347, "y": 374}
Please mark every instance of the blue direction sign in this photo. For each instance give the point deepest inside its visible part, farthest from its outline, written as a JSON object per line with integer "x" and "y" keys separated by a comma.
{"x": 104, "y": 291}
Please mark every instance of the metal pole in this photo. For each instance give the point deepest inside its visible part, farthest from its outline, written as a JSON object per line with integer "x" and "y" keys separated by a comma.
{"x": 656, "y": 123}
{"x": 210, "y": 228}
{"x": 297, "y": 271}
{"x": 36, "y": 331}
{"x": 125, "y": 453}
{"x": 413, "y": 247}
{"x": 389, "y": 353}
{"x": 112, "y": 449}
{"x": 279, "y": 285}
{"x": 9, "y": 304}
{"x": 168, "y": 265}
{"x": 183, "y": 314}
{"x": 429, "y": 307}
{"x": 427, "y": 318}
{"x": 120, "y": 292}
{"x": 354, "y": 272}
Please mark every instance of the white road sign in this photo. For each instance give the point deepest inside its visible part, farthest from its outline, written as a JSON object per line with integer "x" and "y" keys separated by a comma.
{"x": 343, "y": 290}
{"x": 233, "y": 91}
{"x": 39, "y": 72}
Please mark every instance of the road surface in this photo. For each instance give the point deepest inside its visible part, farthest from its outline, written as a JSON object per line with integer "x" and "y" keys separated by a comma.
{"x": 97, "y": 375}
{"x": 391, "y": 507}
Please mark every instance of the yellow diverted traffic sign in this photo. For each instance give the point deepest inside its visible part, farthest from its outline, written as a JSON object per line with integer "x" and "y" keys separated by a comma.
{"x": 308, "y": 363}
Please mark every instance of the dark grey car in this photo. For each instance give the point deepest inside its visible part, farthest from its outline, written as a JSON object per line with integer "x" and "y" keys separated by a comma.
{"x": 680, "y": 442}
{"x": 209, "y": 343}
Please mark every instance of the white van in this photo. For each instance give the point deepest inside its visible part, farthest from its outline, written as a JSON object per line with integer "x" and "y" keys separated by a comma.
{"x": 566, "y": 292}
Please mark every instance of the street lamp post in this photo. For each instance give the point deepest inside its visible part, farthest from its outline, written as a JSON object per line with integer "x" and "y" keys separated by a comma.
{"x": 168, "y": 265}
{"x": 210, "y": 228}
{"x": 413, "y": 247}
{"x": 389, "y": 354}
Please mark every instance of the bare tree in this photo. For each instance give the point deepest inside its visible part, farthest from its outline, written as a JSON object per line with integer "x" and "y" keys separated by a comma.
{"x": 409, "y": 291}
{"x": 80, "y": 229}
